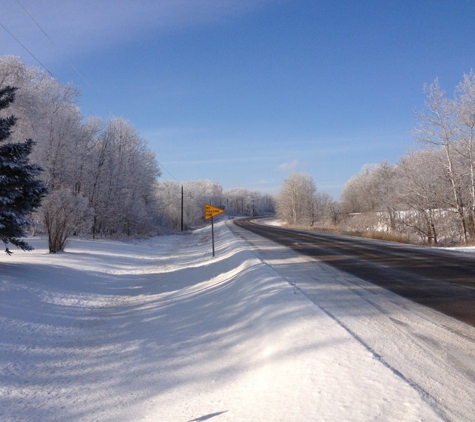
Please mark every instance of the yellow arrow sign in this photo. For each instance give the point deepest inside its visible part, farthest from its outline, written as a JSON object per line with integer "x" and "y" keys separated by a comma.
{"x": 211, "y": 211}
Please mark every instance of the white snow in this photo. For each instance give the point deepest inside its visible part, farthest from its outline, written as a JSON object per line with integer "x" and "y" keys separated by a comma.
{"x": 465, "y": 249}
{"x": 159, "y": 330}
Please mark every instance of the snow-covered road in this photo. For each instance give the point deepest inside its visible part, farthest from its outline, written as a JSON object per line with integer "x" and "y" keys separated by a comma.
{"x": 160, "y": 330}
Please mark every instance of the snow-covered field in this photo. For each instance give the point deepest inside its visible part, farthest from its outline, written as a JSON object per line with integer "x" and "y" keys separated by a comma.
{"x": 159, "y": 330}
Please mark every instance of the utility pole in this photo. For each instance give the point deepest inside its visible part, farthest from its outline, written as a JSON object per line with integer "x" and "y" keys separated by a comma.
{"x": 182, "y": 208}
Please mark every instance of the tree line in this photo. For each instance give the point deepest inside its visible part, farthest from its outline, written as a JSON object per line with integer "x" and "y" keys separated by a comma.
{"x": 99, "y": 178}
{"x": 300, "y": 204}
{"x": 427, "y": 196}
{"x": 195, "y": 194}
{"x": 430, "y": 191}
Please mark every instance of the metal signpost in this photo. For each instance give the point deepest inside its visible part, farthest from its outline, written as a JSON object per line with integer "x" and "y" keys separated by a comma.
{"x": 210, "y": 212}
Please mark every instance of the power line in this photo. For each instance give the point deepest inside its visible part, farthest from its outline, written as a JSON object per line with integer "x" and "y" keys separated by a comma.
{"x": 26, "y": 49}
{"x": 62, "y": 53}
{"x": 29, "y": 52}
{"x": 162, "y": 166}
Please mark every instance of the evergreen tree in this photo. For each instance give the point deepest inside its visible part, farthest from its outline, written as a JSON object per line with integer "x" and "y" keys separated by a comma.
{"x": 20, "y": 190}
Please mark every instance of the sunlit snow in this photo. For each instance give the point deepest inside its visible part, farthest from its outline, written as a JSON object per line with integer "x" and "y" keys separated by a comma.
{"x": 159, "y": 330}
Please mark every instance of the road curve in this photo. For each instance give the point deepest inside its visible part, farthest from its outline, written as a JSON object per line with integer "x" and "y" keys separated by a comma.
{"x": 439, "y": 279}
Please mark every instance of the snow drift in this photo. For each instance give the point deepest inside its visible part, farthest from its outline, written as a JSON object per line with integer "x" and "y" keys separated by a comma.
{"x": 158, "y": 330}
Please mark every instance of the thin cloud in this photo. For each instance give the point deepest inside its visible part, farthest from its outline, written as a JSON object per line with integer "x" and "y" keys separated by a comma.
{"x": 289, "y": 166}
{"x": 173, "y": 133}
{"x": 88, "y": 25}
{"x": 248, "y": 159}
{"x": 265, "y": 182}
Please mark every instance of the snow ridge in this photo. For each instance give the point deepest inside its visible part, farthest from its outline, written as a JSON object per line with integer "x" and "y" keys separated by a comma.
{"x": 160, "y": 330}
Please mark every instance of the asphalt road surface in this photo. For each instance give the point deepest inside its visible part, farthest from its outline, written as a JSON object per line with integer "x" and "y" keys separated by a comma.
{"x": 439, "y": 279}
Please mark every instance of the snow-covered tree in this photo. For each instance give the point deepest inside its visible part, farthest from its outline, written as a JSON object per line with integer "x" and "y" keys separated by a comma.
{"x": 422, "y": 190}
{"x": 169, "y": 203}
{"x": 295, "y": 201}
{"x": 109, "y": 163}
{"x": 466, "y": 144}
{"x": 121, "y": 182}
{"x": 20, "y": 190}
{"x": 298, "y": 202}
{"x": 65, "y": 213}
{"x": 196, "y": 194}
{"x": 440, "y": 128}
{"x": 249, "y": 202}
{"x": 372, "y": 191}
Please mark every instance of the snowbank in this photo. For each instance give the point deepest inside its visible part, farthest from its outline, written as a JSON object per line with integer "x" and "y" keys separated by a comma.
{"x": 160, "y": 331}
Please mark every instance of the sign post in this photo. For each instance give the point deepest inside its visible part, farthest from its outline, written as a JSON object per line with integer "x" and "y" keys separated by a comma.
{"x": 211, "y": 212}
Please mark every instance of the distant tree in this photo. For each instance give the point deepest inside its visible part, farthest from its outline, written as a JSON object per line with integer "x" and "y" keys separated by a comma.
{"x": 168, "y": 195}
{"x": 298, "y": 202}
{"x": 356, "y": 195}
{"x": 368, "y": 190}
{"x": 20, "y": 190}
{"x": 322, "y": 208}
{"x": 295, "y": 201}
{"x": 334, "y": 212}
{"x": 248, "y": 202}
{"x": 196, "y": 194}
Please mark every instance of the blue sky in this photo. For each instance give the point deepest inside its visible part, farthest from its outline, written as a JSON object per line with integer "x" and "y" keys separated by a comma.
{"x": 242, "y": 92}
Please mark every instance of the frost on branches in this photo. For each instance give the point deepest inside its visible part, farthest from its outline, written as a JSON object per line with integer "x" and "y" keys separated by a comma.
{"x": 20, "y": 191}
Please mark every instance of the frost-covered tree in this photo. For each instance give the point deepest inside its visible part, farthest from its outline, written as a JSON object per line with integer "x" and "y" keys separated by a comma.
{"x": 334, "y": 212}
{"x": 196, "y": 194}
{"x": 121, "y": 182}
{"x": 298, "y": 202}
{"x": 20, "y": 190}
{"x": 109, "y": 163}
{"x": 169, "y": 203}
{"x": 422, "y": 190}
{"x": 65, "y": 213}
{"x": 295, "y": 201}
{"x": 439, "y": 129}
{"x": 322, "y": 208}
{"x": 465, "y": 103}
{"x": 249, "y": 202}
{"x": 431, "y": 191}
